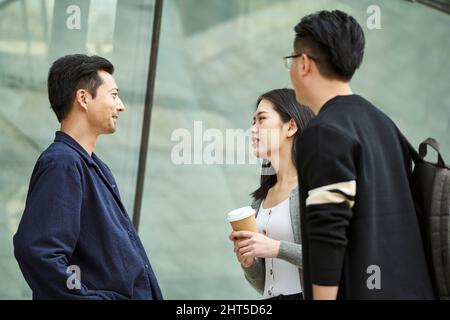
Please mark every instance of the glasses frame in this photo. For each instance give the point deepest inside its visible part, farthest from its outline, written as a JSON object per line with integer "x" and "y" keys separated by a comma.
{"x": 288, "y": 59}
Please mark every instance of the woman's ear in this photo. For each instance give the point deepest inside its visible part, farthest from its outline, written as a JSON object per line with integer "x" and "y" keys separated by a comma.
{"x": 292, "y": 130}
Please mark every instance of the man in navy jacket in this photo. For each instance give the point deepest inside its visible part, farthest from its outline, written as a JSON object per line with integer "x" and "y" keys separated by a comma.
{"x": 75, "y": 239}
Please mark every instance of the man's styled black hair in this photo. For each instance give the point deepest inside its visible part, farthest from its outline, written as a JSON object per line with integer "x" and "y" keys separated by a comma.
{"x": 334, "y": 39}
{"x": 71, "y": 73}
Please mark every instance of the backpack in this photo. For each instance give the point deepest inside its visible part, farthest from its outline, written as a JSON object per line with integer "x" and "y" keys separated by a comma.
{"x": 430, "y": 184}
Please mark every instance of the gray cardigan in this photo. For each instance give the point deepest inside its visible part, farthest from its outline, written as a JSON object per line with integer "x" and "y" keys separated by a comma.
{"x": 290, "y": 252}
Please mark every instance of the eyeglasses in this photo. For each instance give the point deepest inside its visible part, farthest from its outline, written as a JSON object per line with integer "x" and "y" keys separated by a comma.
{"x": 288, "y": 59}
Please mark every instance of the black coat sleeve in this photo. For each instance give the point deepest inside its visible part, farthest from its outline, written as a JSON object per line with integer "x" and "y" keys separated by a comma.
{"x": 327, "y": 171}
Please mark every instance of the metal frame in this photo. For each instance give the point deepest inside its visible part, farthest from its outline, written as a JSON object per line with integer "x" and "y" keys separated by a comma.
{"x": 147, "y": 113}
{"x": 440, "y": 5}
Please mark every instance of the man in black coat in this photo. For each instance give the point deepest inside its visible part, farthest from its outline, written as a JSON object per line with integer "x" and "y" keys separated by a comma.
{"x": 361, "y": 238}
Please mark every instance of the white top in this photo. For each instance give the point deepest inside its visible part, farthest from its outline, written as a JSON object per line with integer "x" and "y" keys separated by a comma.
{"x": 281, "y": 276}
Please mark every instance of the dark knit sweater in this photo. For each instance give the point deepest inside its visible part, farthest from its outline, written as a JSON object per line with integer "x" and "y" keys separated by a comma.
{"x": 359, "y": 225}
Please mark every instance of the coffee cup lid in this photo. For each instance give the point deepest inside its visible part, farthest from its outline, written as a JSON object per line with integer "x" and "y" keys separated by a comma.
{"x": 240, "y": 213}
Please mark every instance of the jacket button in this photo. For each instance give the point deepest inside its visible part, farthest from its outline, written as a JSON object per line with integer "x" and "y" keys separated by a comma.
{"x": 264, "y": 232}
{"x": 269, "y": 292}
{"x": 271, "y": 272}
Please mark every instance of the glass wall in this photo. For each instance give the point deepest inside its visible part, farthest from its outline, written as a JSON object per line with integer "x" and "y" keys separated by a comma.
{"x": 32, "y": 35}
{"x": 215, "y": 58}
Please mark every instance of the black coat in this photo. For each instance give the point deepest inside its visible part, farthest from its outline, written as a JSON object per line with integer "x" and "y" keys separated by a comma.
{"x": 359, "y": 225}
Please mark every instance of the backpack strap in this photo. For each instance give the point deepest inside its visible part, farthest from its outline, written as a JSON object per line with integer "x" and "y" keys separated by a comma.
{"x": 418, "y": 157}
{"x": 412, "y": 151}
{"x": 435, "y": 145}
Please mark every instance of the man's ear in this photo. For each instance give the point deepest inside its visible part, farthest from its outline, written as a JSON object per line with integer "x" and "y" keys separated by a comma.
{"x": 81, "y": 97}
{"x": 306, "y": 65}
{"x": 292, "y": 130}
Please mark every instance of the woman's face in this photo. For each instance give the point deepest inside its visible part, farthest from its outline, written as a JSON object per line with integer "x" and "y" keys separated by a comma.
{"x": 269, "y": 133}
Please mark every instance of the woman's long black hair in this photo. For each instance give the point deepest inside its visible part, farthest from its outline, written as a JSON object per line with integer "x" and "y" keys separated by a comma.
{"x": 285, "y": 103}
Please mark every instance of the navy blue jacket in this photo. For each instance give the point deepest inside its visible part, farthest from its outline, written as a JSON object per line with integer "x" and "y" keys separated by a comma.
{"x": 74, "y": 218}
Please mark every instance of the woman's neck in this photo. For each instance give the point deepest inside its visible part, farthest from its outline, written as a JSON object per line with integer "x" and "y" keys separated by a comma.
{"x": 285, "y": 170}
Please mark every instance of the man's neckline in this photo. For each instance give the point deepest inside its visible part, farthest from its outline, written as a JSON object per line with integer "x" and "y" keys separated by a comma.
{"x": 333, "y": 100}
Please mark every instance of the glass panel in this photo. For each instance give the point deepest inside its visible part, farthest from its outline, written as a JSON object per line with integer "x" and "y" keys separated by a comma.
{"x": 32, "y": 35}
{"x": 215, "y": 59}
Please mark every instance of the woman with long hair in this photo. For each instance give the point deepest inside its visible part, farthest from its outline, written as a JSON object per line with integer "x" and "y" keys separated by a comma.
{"x": 272, "y": 258}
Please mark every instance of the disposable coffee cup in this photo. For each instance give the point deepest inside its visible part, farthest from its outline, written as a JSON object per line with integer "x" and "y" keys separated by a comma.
{"x": 243, "y": 219}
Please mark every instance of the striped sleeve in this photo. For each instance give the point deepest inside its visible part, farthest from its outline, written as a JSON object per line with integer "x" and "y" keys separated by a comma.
{"x": 327, "y": 171}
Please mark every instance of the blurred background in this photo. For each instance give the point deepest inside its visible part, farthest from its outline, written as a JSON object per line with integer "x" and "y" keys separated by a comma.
{"x": 215, "y": 57}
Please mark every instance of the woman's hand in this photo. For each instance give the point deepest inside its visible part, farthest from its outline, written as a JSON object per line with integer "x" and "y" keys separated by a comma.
{"x": 245, "y": 262}
{"x": 253, "y": 244}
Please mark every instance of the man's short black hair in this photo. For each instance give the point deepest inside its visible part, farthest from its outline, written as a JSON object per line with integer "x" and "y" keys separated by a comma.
{"x": 71, "y": 73}
{"x": 334, "y": 39}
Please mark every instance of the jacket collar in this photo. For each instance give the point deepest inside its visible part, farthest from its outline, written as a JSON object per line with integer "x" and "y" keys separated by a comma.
{"x": 71, "y": 142}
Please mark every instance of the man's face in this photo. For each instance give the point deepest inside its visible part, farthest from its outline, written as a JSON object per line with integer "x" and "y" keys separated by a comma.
{"x": 103, "y": 111}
